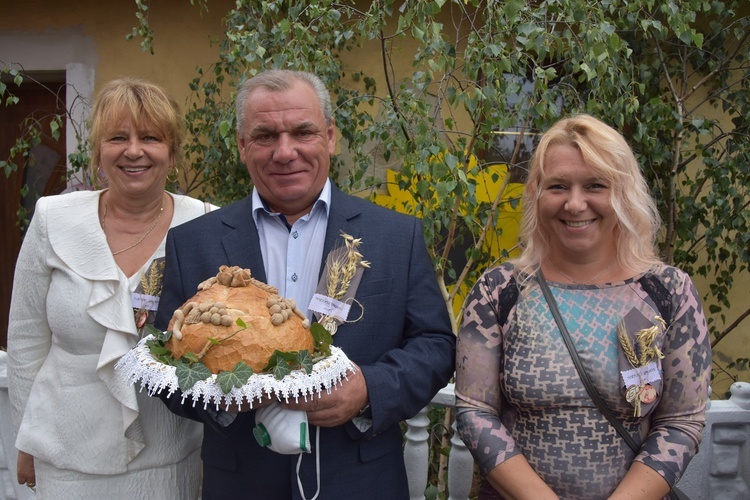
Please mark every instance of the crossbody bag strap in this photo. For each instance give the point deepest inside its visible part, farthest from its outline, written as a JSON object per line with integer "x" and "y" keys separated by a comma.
{"x": 593, "y": 393}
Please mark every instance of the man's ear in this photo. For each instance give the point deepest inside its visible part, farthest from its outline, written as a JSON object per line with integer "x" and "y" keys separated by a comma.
{"x": 331, "y": 134}
{"x": 241, "y": 147}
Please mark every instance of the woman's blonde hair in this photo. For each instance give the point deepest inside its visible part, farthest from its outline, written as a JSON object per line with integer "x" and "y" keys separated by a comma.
{"x": 147, "y": 105}
{"x": 608, "y": 154}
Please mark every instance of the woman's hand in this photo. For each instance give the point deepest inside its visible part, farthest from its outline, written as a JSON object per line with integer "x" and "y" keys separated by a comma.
{"x": 25, "y": 473}
{"x": 641, "y": 483}
{"x": 515, "y": 479}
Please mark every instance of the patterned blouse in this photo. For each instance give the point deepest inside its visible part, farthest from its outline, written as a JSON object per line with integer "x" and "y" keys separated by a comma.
{"x": 518, "y": 391}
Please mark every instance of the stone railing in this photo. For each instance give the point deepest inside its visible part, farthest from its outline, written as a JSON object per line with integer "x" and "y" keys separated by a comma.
{"x": 720, "y": 470}
{"x": 9, "y": 487}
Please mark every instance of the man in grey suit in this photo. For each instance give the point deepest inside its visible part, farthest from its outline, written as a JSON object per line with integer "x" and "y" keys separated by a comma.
{"x": 398, "y": 332}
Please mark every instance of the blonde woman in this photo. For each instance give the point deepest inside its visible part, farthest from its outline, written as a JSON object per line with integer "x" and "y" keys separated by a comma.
{"x": 87, "y": 280}
{"x": 636, "y": 324}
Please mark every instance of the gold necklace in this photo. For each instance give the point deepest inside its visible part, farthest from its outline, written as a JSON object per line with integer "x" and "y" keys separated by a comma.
{"x": 588, "y": 282}
{"x": 156, "y": 221}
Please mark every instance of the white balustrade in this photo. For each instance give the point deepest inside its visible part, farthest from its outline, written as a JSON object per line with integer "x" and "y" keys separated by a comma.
{"x": 720, "y": 470}
{"x": 9, "y": 487}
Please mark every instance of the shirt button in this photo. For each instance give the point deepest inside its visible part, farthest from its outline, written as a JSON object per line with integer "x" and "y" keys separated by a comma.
{"x": 295, "y": 235}
{"x": 294, "y": 277}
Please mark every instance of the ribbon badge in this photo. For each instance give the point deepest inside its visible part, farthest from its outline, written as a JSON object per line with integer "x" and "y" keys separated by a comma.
{"x": 145, "y": 299}
{"x": 335, "y": 294}
{"x": 641, "y": 355}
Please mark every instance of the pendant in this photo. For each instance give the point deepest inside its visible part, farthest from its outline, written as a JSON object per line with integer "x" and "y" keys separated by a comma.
{"x": 330, "y": 325}
{"x": 633, "y": 397}
{"x": 140, "y": 318}
{"x": 647, "y": 394}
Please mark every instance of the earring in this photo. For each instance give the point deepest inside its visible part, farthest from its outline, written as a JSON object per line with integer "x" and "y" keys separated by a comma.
{"x": 176, "y": 172}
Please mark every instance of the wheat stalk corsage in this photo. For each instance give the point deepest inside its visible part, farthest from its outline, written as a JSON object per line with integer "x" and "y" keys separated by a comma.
{"x": 641, "y": 355}
{"x": 335, "y": 294}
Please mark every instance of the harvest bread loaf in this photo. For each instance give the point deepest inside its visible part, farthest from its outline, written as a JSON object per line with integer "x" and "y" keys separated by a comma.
{"x": 207, "y": 326}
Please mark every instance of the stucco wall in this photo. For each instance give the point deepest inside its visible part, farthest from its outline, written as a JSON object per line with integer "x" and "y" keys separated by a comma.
{"x": 93, "y": 33}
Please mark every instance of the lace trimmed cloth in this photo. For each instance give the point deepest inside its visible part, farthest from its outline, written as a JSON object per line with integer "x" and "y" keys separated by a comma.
{"x": 140, "y": 366}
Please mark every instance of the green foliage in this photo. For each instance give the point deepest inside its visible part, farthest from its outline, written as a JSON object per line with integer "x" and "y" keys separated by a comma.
{"x": 322, "y": 339}
{"x": 35, "y": 128}
{"x": 190, "y": 373}
{"x": 190, "y": 369}
{"x": 143, "y": 29}
{"x": 237, "y": 377}
{"x": 673, "y": 77}
{"x": 453, "y": 75}
{"x": 281, "y": 364}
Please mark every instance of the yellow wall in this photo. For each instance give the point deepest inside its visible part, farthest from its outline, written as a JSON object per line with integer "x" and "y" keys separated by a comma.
{"x": 182, "y": 35}
{"x": 735, "y": 345}
{"x": 182, "y": 42}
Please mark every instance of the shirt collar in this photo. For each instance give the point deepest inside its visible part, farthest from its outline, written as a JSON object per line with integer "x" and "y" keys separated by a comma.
{"x": 323, "y": 201}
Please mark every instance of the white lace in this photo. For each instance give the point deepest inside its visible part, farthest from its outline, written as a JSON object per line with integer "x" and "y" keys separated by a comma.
{"x": 140, "y": 366}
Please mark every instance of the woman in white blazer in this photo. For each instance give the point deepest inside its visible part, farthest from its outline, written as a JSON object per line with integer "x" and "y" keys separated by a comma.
{"x": 87, "y": 280}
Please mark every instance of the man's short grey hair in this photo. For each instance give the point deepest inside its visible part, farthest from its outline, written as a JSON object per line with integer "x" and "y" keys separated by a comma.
{"x": 279, "y": 80}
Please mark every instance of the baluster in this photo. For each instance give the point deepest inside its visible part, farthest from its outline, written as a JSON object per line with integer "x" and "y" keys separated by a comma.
{"x": 460, "y": 468}
{"x": 417, "y": 454}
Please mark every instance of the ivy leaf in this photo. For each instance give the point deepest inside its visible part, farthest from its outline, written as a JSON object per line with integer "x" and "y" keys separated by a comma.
{"x": 157, "y": 349}
{"x": 191, "y": 357}
{"x": 278, "y": 358}
{"x": 158, "y": 334}
{"x": 281, "y": 370}
{"x": 188, "y": 374}
{"x": 304, "y": 360}
{"x": 271, "y": 364}
{"x": 168, "y": 360}
{"x": 322, "y": 338}
{"x": 238, "y": 377}
{"x": 281, "y": 364}
{"x": 156, "y": 345}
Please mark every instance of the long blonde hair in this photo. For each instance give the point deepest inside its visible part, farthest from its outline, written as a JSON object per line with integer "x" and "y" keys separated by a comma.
{"x": 146, "y": 104}
{"x": 606, "y": 151}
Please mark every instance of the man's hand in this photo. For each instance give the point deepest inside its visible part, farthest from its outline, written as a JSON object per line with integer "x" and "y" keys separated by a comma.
{"x": 344, "y": 402}
{"x": 25, "y": 473}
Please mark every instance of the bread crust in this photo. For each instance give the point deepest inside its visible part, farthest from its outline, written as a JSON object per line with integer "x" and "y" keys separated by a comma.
{"x": 254, "y": 345}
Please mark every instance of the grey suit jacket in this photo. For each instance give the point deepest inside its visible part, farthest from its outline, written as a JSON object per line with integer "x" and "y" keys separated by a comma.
{"x": 403, "y": 343}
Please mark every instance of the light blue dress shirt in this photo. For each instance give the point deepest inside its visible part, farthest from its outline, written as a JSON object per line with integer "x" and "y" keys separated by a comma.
{"x": 292, "y": 256}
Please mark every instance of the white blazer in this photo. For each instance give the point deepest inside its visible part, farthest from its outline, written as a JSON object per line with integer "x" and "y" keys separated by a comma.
{"x": 71, "y": 319}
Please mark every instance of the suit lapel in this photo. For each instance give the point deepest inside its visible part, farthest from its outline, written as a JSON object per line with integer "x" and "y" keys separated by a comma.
{"x": 340, "y": 219}
{"x": 240, "y": 240}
